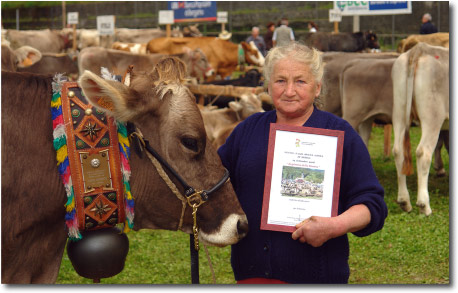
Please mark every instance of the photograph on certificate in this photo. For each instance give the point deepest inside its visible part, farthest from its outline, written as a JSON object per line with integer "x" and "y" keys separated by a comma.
{"x": 300, "y": 177}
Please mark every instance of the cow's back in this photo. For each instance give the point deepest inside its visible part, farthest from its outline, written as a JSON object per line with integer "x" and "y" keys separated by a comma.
{"x": 33, "y": 196}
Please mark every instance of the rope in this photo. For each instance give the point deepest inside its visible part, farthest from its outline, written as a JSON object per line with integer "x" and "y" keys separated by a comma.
{"x": 170, "y": 184}
{"x": 210, "y": 264}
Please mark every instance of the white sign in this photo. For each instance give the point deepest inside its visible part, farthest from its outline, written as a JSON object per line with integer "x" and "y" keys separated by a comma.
{"x": 221, "y": 17}
{"x": 72, "y": 18}
{"x": 349, "y": 8}
{"x": 166, "y": 17}
{"x": 106, "y": 24}
{"x": 335, "y": 15}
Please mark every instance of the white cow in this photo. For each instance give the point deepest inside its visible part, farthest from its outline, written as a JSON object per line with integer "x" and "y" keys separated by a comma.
{"x": 420, "y": 92}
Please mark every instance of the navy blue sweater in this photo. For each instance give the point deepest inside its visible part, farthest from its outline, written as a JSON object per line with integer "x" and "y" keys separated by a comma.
{"x": 272, "y": 254}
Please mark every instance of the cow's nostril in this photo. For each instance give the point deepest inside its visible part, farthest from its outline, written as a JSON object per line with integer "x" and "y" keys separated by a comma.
{"x": 242, "y": 228}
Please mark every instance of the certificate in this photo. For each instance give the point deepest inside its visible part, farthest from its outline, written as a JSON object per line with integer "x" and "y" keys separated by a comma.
{"x": 302, "y": 175}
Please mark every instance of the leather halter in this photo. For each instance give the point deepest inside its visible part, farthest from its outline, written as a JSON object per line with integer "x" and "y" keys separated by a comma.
{"x": 193, "y": 198}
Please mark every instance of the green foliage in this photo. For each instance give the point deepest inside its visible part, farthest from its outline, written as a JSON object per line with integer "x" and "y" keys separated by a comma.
{"x": 410, "y": 249}
{"x": 311, "y": 175}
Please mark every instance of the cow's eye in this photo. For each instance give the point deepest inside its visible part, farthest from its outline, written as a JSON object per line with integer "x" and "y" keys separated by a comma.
{"x": 190, "y": 143}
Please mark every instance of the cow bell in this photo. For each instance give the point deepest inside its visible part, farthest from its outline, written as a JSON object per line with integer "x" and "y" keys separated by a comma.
{"x": 99, "y": 254}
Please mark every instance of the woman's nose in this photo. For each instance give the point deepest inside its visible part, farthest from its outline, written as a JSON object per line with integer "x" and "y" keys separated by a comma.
{"x": 290, "y": 90}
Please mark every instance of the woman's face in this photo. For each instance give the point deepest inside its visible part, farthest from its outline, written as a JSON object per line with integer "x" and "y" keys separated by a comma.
{"x": 293, "y": 89}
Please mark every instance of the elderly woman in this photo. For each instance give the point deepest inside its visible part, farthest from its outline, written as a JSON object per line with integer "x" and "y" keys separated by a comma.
{"x": 318, "y": 250}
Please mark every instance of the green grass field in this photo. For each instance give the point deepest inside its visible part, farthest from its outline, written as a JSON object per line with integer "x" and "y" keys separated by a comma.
{"x": 410, "y": 249}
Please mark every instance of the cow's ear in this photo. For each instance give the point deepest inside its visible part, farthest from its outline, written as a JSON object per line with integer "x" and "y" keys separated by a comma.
{"x": 106, "y": 95}
{"x": 27, "y": 56}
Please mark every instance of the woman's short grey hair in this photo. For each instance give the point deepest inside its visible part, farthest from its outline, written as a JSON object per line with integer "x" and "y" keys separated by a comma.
{"x": 298, "y": 52}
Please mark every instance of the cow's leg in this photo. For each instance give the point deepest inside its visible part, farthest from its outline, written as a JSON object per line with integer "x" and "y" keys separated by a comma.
{"x": 400, "y": 128}
{"x": 438, "y": 163}
{"x": 403, "y": 198}
{"x": 424, "y": 152}
{"x": 364, "y": 130}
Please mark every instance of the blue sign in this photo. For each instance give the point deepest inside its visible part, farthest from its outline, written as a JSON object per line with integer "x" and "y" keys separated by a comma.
{"x": 193, "y": 11}
{"x": 383, "y": 5}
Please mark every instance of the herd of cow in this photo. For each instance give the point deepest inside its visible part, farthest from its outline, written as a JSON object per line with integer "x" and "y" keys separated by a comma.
{"x": 410, "y": 86}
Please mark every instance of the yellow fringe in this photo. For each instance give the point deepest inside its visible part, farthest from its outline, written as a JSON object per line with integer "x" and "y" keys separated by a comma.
{"x": 56, "y": 104}
{"x": 61, "y": 154}
{"x": 71, "y": 206}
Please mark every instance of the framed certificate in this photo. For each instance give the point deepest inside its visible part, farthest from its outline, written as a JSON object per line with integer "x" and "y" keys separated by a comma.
{"x": 302, "y": 175}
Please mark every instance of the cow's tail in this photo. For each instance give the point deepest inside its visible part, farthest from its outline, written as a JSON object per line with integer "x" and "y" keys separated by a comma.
{"x": 407, "y": 166}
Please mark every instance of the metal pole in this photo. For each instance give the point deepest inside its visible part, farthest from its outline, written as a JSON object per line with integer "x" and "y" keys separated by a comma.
{"x": 392, "y": 32}
{"x": 17, "y": 19}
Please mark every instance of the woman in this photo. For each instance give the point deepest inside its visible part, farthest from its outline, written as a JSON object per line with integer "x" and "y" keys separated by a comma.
{"x": 317, "y": 252}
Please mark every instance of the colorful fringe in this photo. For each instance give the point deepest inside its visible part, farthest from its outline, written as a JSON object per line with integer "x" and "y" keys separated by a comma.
{"x": 124, "y": 148}
{"x": 60, "y": 145}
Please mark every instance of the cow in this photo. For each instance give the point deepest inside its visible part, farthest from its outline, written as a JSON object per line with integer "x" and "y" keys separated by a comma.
{"x": 45, "y": 41}
{"x": 33, "y": 196}
{"x": 330, "y": 98}
{"x": 55, "y": 63}
{"x": 116, "y": 61}
{"x": 142, "y": 36}
{"x": 436, "y": 39}
{"x": 224, "y": 56}
{"x": 23, "y": 57}
{"x": 421, "y": 93}
{"x": 87, "y": 38}
{"x": 220, "y": 122}
{"x": 366, "y": 91}
{"x": 342, "y": 42}
{"x": 130, "y": 47}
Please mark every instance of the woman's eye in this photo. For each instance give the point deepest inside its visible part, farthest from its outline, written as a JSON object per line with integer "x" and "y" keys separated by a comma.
{"x": 190, "y": 143}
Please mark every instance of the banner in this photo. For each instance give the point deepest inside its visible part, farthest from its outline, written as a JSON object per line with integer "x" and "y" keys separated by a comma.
{"x": 349, "y": 8}
{"x": 193, "y": 11}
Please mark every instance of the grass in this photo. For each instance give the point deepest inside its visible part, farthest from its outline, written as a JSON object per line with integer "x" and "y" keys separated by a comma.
{"x": 410, "y": 249}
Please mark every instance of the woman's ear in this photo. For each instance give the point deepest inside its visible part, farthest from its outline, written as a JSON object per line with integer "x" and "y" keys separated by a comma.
{"x": 318, "y": 90}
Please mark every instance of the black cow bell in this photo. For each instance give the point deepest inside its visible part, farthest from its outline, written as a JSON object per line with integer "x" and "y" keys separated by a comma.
{"x": 99, "y": 254}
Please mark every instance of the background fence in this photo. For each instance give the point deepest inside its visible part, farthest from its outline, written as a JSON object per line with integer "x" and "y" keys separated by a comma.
{"x": 242, "y": 15}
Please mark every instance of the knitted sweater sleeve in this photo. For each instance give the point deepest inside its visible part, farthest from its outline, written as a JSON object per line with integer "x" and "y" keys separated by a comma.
{"x": 359, "y": 183}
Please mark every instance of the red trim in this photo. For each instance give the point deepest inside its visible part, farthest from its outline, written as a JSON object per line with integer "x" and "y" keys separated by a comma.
{"x": 261, "y": 281}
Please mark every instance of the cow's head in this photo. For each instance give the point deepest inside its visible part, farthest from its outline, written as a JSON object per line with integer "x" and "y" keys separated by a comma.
{"x": 165, "y": 112}
{"x": 252, "y": 54}
{"x": 197, "y": 64}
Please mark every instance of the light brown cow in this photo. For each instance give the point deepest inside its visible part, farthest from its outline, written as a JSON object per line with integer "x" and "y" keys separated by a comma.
{"x": 33, "y": 197}
{"x": 135, "y": 48}
{"x": 220, "y": 122}
{"x": 23, "y": 57}
{"x": 223, "y": 55}
{"x": 334, "y": 64}
{"x": 421, "y": 93}
{"x": 45, "y": 41}
{"x": 117, "y": 62}
{"x": 436, "y": 39}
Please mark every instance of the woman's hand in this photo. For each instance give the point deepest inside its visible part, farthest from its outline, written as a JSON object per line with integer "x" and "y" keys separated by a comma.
{"x": 317, "y": 230}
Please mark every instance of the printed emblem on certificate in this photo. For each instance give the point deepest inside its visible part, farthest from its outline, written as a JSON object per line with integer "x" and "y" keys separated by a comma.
{"x": 302, "y": 175}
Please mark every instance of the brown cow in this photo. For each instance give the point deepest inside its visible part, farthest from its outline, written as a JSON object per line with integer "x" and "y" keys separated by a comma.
{"x": 49, "y": 41}
{"x": 22, "y": 57}
{"x": 33, "y": 196}
{"x": 116, "y": 61}
{"x": 55, "y": 63}
{"x": 342, "y": 42}
{"x": 222, "y": 55}
{"x": 436, "y": 39}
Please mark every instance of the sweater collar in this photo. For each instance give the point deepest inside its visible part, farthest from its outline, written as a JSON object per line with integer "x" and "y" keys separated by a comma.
{"x": 313, "y": 120}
